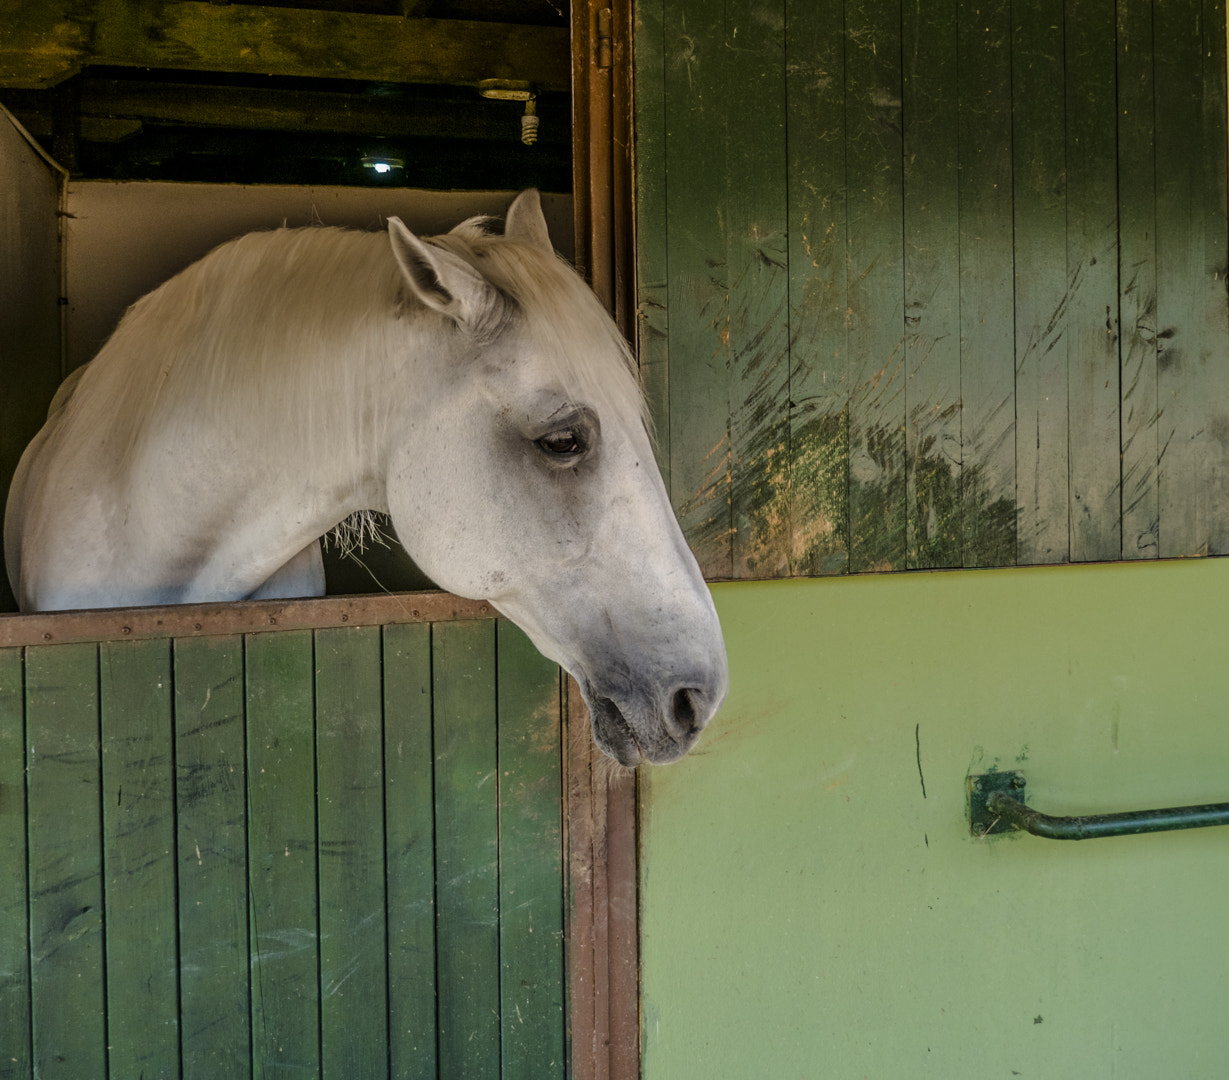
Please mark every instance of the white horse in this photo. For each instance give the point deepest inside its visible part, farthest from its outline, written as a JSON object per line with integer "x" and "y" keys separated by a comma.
{"x": 468, "y": 385}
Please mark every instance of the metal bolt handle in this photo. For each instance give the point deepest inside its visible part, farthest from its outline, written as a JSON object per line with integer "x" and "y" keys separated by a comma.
{"x": 995, "y": 808}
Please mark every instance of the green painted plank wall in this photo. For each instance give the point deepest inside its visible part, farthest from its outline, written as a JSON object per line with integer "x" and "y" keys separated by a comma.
{"x": 935, "y": 284}
{"x": 211, "y": 844}
{"x": 64, "y": 874}
{"x": 335, "y": 853}
{"x": 139, "y": 913}
{"x": 17, "y": 1058}
{"x": 531, "y": 1010}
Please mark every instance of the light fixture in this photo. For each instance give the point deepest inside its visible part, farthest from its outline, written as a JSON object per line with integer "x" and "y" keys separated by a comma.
{"x": 383, "y": 166}
{"x": 513, "y": 90}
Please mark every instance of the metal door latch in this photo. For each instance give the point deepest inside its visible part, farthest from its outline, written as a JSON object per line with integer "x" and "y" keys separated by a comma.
{"x": 996, "y": 805}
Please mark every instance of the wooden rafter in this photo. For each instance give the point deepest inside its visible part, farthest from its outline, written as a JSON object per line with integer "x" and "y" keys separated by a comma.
{"x": 45, "y": 42}
{"x": 127, "y": 101}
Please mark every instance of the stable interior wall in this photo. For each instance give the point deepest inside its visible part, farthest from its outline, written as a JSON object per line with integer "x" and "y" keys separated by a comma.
{"x": 30, "y": 194}
{"x": 124, "y": 239}
{"x": 813, "y": 904}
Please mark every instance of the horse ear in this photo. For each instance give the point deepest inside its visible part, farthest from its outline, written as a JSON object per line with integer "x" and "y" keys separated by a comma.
{"x": 440, "y": 279}
{"x": 526, "y": 222}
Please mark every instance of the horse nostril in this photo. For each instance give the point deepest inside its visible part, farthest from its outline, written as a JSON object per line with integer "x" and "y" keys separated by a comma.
{"x": 685, "y": 719}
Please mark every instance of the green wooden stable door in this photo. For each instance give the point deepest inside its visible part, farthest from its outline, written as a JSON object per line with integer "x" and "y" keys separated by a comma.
{"x": 332, "y": 853}
{"x": 935, "y": 284}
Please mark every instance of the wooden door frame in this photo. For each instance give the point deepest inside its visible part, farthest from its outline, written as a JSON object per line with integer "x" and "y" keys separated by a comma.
{"x": 603, "y": 934}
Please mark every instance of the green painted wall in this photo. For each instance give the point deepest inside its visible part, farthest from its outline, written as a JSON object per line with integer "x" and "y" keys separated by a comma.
{"x": 812, "y": 903}
{"x": 935, "y": 283}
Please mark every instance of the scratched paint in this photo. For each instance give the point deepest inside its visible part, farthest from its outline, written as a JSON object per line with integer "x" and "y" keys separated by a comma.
{"x": 892, "y": 348}
{"x": 315, "y": 864}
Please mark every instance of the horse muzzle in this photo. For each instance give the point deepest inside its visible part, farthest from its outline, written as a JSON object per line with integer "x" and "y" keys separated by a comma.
{"x": 657, "y": 727}
{"x": 652, "y": 684}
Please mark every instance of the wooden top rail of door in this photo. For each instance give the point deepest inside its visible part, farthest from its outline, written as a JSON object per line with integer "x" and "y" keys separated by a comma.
{"x": 239, "y": 617}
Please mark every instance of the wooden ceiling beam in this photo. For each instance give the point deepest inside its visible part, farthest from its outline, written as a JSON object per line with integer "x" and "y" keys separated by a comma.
{"x": 47, "y": 41}
{"x": 301, "y": 110}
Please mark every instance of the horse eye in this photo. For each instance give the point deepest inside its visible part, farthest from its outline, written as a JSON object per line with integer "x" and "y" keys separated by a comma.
{"x": 565, "y": 443}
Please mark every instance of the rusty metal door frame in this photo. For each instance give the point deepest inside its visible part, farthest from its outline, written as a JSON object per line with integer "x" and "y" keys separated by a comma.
{"x": 603, "y": 953}
{"x": 601, "y": 152}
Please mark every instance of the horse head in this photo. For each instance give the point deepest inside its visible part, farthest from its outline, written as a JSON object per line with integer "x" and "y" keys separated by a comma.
{"x": 531, "y": 483}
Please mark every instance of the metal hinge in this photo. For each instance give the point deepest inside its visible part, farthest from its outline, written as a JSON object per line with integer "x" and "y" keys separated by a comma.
{"x": 604, "y": 45}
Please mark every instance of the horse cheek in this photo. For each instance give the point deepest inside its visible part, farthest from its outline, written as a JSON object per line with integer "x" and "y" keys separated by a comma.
{"x": 438, "y": 519}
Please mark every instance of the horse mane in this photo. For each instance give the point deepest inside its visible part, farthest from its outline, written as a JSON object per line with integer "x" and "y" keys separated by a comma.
{"x": 267, "y": 324}
{"x": 303, "y": 322}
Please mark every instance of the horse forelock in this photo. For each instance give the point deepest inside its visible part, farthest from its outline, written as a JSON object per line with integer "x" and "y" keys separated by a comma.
{"x": 568, "y": 326}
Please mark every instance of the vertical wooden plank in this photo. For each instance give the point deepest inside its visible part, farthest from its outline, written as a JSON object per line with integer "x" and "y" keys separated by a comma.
{"x": 138, "y": 787}
{"x": 617, "y": 849}
{"x": 350, "y": 805}
{"x": 819, "y": 350}
{"x": 875, "y": 250}
{"x": 588, "y": 1014}
{"x": 593, "y": 76}
{"x": 696, "y": 96}
{"x": 1092, "y": 275}
{"x": 1192, "y": 374}
{"x": 68, "y": 993}
{"x": 932, "y": 293}
{"x": 530, "y": 861}
{"x": 1213, "y": 166}
{"x": 1137, "y": 280}
{"x": 602, "y": 941}
{"x": 755, "y": 221}
{"x": 1040, "y": 222}
{"x": 652, "y": 231}
{"x": 466, "y": 822}
{"x": 1178, "y": 138}
{"x": 211, "y": 829}
{"x": 16, "y": 1054}
{"x": 987, "y": 363}
{"x": 409, "y": 830}
{"x": 282, "y": 854}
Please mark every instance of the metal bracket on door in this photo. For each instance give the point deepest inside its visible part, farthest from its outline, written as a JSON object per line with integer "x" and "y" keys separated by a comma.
{"x": 996, "y": 806}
